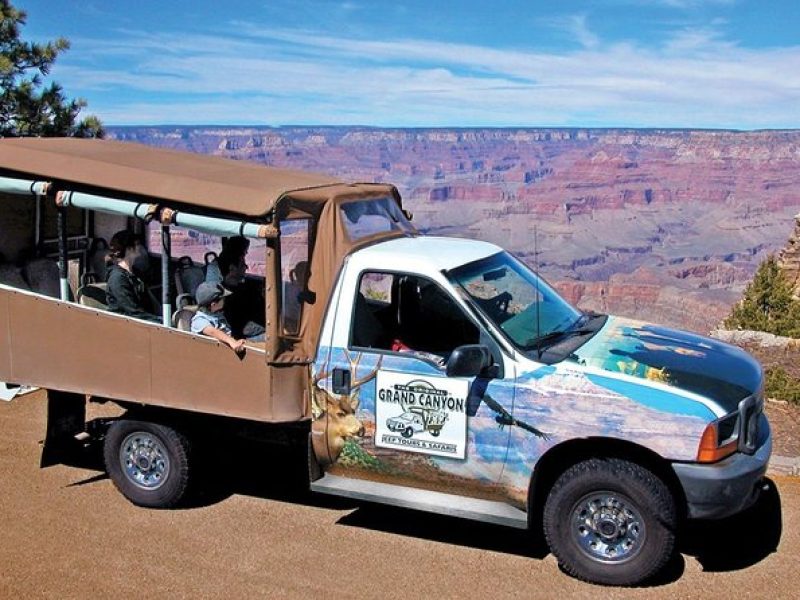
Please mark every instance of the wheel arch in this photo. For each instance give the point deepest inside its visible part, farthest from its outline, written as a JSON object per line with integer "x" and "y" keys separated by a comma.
{"x": 561, "y": 457}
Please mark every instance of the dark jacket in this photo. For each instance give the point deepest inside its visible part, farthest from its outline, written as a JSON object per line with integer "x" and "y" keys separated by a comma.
{"x": 127, "y": 295}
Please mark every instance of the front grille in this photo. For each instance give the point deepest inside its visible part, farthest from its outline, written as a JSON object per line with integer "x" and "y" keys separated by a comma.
{"x": 750, "y": 410}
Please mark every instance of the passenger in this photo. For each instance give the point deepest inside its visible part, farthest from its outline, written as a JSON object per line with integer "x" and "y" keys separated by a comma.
{"x": 209, "y": 319}
{"x": 245, "y": 309}
{"x": 299, "y": 274}
{"x": 126, "y": 292}
{"x": 295, "y": 294}
{"x": 234, "y": 251}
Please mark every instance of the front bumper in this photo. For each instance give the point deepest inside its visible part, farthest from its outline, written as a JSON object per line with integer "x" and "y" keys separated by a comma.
{"x": 730, "y": 486}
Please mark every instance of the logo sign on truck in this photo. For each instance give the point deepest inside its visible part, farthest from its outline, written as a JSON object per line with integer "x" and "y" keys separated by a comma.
{"x": 421, "y": 414}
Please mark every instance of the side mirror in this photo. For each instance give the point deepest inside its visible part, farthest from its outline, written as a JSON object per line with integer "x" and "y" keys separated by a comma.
{"x": 469, "y": 360}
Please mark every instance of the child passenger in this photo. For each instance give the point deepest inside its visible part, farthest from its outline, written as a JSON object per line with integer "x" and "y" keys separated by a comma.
{"x": 209, "y": 319}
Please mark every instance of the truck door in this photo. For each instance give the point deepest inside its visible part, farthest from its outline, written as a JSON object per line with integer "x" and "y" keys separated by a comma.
{"x": 390, "y": 412}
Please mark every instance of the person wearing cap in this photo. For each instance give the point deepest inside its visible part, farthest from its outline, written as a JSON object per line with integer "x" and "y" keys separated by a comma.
{"x": 126, "y": 292}
{"x": 209, "y": 319}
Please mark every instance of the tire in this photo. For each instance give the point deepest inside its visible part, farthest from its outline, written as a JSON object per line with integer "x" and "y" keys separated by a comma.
{"x": 610, "y": 521}
{"x": 148, "y": 462}
{"x": 407, "y": 432}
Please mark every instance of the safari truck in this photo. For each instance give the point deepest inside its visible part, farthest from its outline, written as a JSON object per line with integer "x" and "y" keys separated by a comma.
{"x": 603, "y": 431}
{"x": 418, "y": 420}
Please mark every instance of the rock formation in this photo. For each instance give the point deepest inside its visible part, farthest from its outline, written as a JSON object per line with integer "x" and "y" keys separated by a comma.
{"x": 663, "y": 225}
{"x": 789, "y": 258}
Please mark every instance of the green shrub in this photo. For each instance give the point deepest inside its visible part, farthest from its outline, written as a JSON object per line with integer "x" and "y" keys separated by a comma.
{"x": 781, "y": 385}
{"x": 768, "y": 304}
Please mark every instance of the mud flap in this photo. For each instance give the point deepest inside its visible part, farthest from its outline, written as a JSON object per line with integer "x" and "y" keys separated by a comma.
{"x": 66, "y": 418}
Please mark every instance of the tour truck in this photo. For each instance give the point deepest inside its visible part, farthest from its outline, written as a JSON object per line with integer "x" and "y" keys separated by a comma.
{"x": 601, "y": 431}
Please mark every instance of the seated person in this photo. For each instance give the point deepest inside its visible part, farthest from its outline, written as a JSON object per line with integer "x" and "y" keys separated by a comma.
{"x": 299, "y": 274}
{"x": 126, "y": 292}
{"x": 245, "y": 308}
{"x": 234, "y": 251}
{"x": 295, "y": 293}
{"x": 209, "y": 319}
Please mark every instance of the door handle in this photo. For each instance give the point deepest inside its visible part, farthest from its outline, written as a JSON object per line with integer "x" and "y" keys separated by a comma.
{"x": 341, "y": 381}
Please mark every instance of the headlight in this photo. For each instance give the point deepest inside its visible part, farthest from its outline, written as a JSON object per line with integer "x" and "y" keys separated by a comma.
{"x": 736, "y": 431}
{"x": 720, "y": 439}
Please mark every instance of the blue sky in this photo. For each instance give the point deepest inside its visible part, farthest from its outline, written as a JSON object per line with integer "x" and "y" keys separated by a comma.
{"x": 408, "y": 63}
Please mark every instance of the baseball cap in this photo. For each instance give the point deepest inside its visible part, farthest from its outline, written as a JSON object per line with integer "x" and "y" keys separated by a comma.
{"x": 210, "y": 292}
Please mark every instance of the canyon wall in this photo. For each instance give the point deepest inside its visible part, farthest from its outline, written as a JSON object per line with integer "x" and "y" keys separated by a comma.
{"x": 662, "y": 225}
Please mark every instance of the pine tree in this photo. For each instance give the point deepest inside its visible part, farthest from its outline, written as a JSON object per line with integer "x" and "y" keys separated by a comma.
{"x": 27, "y": 108}
{"x": 768, "y": 304}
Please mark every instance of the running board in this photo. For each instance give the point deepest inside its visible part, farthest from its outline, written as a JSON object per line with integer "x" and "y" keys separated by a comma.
{"x": 488, "y": 511}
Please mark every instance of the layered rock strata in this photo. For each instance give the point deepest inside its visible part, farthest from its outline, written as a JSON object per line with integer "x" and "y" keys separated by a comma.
{"x": 663, "y": 225}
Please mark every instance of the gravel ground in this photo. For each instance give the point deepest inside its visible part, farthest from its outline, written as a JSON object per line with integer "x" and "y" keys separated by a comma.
{"x": 67, "y": 533}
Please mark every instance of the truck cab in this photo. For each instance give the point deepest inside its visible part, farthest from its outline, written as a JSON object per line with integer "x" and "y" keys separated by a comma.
{"x": 608, "y": 428}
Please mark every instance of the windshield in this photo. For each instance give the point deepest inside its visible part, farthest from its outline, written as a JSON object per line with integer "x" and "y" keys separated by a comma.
{"x": 518, "y": 302}
{"x": 364, "y": 218}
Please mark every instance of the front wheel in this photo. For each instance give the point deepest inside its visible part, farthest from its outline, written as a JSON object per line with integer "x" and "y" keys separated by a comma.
{"x": 610, "y": 521}
{"x": 148, "y": 462}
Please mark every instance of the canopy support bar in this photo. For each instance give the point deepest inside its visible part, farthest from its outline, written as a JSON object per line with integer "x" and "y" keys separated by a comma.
{"x": 22, "y": 186}
{"x": 166, "y": 256}
{"x": 140, "y": 210}
{"x": 271, "y": 337}
{"x": 63, "y": 268}
{"x": 223, "y": 227}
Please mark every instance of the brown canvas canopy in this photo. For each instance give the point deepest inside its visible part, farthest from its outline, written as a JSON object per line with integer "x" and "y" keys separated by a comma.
{"x": 134, "y": 169}
{"x": 215, "y": 184}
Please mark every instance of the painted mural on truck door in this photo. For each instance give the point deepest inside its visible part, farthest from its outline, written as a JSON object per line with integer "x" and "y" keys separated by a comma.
{"x": 509, "y": 424}
{"x": 404, "y": 419}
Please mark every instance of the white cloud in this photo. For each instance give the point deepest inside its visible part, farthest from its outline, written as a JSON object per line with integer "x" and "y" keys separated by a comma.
{"x": 576, "y": 27}
{"x": 697, "y": 78}
{"x": 683, "y": 4}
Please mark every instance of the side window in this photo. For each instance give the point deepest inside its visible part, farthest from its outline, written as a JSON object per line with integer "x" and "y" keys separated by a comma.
{"x": 408, "y": 313}
{"x": 294, "y": 272}
{"x": 191, "y": 249}
{"x": 185, "y": 242}
{"x": 364, "y": 218}
{"x": 42, "y": 273}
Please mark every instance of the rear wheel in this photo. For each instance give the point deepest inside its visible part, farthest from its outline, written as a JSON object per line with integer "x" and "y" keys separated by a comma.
{"x": 610, "y": 521}
{"x": 148, "y": 462}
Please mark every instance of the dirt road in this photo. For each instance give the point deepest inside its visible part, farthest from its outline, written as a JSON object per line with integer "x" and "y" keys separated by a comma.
{"x": 65, "y": 532}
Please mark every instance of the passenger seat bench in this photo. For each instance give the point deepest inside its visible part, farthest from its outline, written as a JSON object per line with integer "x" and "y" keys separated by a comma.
{"x": 11, "y": 275}
{"x": 93, "y": 295}
{"x": 182, "y": 317}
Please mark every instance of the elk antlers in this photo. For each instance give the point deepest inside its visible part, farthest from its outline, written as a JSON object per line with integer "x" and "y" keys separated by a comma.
{"x": 357, "y": 383}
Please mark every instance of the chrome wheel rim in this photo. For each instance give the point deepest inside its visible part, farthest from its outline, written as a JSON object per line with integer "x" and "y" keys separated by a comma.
{"x": 607, "y": 527}
{"x": 144, "y": 460}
